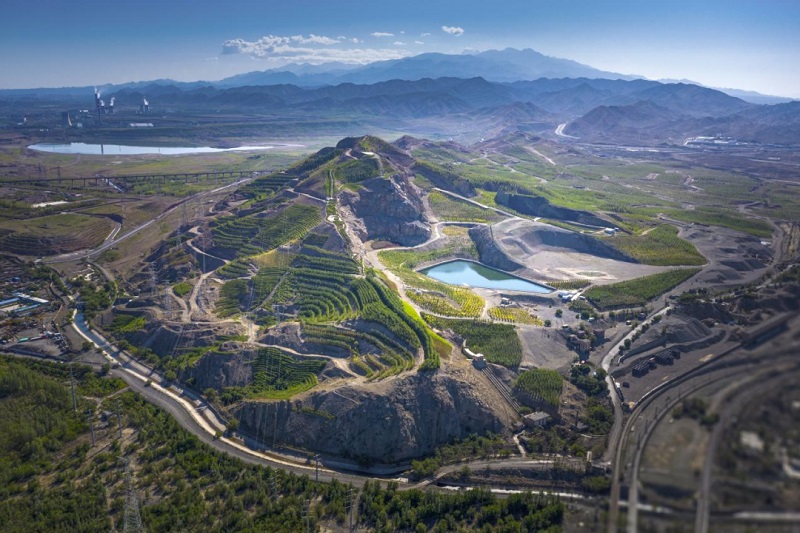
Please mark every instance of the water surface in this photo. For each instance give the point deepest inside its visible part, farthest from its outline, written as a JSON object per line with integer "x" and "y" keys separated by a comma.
{"x": 477, "y": 275}
{"x": 121, "y": 149}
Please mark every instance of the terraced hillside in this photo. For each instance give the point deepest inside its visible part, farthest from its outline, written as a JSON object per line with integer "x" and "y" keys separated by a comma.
{"x": 54, "y": 234}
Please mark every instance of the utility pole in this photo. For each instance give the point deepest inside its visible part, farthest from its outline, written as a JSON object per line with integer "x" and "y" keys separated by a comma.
{"x": 89, "y": 417}
{"x": 72, "y": 383}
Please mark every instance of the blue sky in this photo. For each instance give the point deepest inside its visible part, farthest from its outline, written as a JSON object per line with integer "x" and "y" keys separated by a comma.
{"x": 724, "y": 43}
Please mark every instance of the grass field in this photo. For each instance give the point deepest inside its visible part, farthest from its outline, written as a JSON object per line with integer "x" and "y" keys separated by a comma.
{"x": 498, "y": 342}
{"x": 447, "y": 208}
{"x": 634, "y": 190}
{"x": 515, "y": 315}
{"x": 639, "y": 291}
{"x": 659, "y": 246}
{"x": 539, "y": 385}
{"x": 434, "y": 296}
{"x": 53, "y": 234}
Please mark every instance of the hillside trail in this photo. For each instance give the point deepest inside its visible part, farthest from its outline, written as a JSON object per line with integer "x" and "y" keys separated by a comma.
{"x": 339, "y": 362}
{"x": 540, "y": 154}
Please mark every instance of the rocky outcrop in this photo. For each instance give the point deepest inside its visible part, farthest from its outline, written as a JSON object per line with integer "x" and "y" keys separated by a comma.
{"x": 532, "y": 237}
{"x": 488, "y": 251}
{"x": 222, "y": 369}
{"x": 390, "y": 209}
{"x": 444, "y": 179}
{"x": 538, "y": 206}
{"x": 384, "y": 423}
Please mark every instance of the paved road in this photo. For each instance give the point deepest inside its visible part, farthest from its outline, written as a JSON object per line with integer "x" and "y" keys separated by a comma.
{"x": 616, "y": 428}
{"x": 560, "y": 131}
{"x": 195, "y": 416}
{"x": 660, "y": 401}
{"x": 754, "y": 385}
{"x": 82, "y": 254}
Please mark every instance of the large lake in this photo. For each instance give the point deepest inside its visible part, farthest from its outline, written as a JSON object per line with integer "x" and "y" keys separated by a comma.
{"x": 120, "y": 149}
{"x": 477, "y": 275}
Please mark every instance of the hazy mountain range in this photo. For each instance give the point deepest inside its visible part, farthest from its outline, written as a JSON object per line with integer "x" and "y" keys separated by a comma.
{"x": 509, "y": 65}
{"x": 522, "y": 90}
{"x": 494, "y": 65}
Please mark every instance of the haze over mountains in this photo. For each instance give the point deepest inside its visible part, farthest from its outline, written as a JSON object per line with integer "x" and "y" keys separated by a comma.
{"x": 493, "y": 92}
{"x": 508, "y": 65}
{"x": 494, "y": 65}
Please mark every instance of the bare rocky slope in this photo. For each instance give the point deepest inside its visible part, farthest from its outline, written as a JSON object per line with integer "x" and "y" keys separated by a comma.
{"x": 531, "y": 237}
{"x": 387, "y": 422}
{"x": 390, "y": 209}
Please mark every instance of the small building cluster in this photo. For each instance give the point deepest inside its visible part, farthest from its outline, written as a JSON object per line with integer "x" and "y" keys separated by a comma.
{"x": 583, "y": 340}
{"x": 664, "y": 357}
{"x": 21, "y": 304}
{"x": 537, "y": 419}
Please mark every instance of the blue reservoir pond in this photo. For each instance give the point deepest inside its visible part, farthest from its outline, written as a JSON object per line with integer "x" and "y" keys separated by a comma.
{"x": 119, "y": 149}
{"x": 478, "y": 275}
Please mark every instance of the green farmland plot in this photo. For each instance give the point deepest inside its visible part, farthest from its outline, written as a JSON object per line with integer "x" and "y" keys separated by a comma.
{"x": 639, "y": 291}
{"x": 659, "y": 246}
{"x": 498, "y": 342}
{"x": 539, "y": 385}
{"x": 256, "y": 233}
{"x": 278, "y": 375}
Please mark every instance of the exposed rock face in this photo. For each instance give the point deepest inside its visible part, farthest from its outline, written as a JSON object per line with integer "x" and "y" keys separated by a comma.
{"x": 219, "y": 370}
{"x": 540, "y": 207}
{"x": 386, "y": 422}
{"x": 444, "y": 179}
{"x": 488, "y": 251}
{"x": 528, "y": 237}
{"x": 165, "y": 339}
{"x": 389, "y": 208}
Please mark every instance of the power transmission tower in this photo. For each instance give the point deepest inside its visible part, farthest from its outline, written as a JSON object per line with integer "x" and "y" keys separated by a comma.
{"x": 203, "y": 249}
{"x": 89, "y": 416}
{"x": 153, "y": 282}
{"x": 72, "y": 383}
{"x": 133, "y": 520}
{"x": 316, "y": 470}
{"x": 273, "y": 486}
{"x": 167, "y": 299}
{"x": 350, "y": 506}
{"x": 275, "y": 422}
{"x": 307, "y": 514}
{"x": 119, "y": 419}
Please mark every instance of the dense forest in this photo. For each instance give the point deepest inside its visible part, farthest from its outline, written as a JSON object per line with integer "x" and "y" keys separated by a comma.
{"x": 52, "y": 479}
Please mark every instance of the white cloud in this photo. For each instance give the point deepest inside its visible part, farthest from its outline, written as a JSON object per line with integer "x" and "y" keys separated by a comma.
{"x": 314, "y": 49}
{"x": 314, "y": 39}
{"x": 382, "y": 34}
{"x": 418, "y": 42}
{"x": 424, "y": 34}
{"x": 402, "y": 32}
{"x": 269, "y": 43}
{"x": 399, "y": 43}
{"x": 453, "y": 30}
